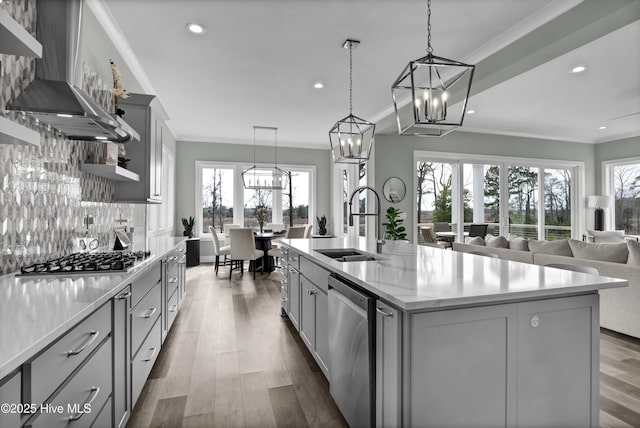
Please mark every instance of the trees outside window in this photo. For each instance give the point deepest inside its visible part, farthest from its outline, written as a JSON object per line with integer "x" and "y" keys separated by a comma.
{"x": 626, "y": 191}
{"x": 528, "y": 198}
{"x": 217, "y": 198}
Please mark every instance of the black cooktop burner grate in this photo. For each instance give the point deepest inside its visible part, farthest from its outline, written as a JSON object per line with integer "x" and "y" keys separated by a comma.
{"x": 115, "y": 261}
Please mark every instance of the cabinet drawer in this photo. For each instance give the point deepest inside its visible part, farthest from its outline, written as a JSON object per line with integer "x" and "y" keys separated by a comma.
{"x": 104, "y": 418}
{"x": 54, "y": 365}
{"x": 316, "y": 274}
{"x": 172, "y": 308}
{"x": 91, "y": 385}
{"x": 143, "y": 316}
{"x": 293, "y": 260}
{"x": 10, "y": 394}
{"x": 143, "y": 284}
{"x": 143, "y": 361}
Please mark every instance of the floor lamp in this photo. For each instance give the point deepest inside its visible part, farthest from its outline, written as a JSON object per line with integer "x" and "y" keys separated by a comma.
{"x": 599, "y": 202}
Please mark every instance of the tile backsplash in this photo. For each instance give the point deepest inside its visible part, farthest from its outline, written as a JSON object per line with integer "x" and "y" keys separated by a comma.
{"x": 44, "y": 195}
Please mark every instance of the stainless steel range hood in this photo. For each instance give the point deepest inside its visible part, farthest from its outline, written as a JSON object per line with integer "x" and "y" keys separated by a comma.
{"x": 55, "y": 97}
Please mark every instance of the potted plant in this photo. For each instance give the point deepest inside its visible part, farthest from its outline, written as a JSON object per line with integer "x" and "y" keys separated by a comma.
{"x": 261, "y": 215}
{"x": 395, "y": 230}
{"x": 322, "y": 224}
{"x": 188, "y": 226}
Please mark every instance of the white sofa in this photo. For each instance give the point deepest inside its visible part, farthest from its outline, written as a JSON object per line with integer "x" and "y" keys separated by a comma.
{"x": 619, "y": 307}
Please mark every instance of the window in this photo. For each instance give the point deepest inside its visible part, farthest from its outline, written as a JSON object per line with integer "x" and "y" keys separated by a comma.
{"x": 455, "y": 190}
{"x": 222, "y": 199}
{"x": 622, "y": 180}
{"x": 217, "y": 198}
{"x": 295, "y": 203}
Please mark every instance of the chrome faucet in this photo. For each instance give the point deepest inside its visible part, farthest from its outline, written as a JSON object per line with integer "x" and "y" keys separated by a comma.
{"x": 380, "y": 236}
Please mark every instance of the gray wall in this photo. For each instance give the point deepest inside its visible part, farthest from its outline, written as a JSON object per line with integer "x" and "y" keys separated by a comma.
{"x": 190, "y": 152}
{"x": 394, "y": 156}
{"x": 614, "y": 150}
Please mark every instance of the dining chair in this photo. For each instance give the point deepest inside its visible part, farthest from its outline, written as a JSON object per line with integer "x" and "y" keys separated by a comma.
{"x": 482, "y": 253}
{"x": 220, "y": 251}
{"x": 575, "y": 268}
{"x": 276, "y": 253}
{"x": 295, "y": 232}
{"x": 478, "y": 230}
{"x": 430, "y": 237}
{"x": 307, "y": 232}
{"x": 243, "y": 247}
{"x": 275, "y": 227}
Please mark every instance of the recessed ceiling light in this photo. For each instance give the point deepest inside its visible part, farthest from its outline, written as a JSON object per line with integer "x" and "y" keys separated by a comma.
{"x": 196, "y": 28}
{"x": 602, "y": 127}
{"x": 471, "y": 111}
{"x": 318, "y": 85}
{"x": 101, "y": 138}
{"x": 578, "y": 69}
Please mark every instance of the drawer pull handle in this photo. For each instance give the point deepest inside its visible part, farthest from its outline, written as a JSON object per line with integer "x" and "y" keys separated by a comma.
{"x": 312, "y": 292}
{"x": 150, "y": 313}
{"x": 95, "y": 390}
{"x": 124, "y": 296}
{"x": 173, "y": 280}
{"x": 93, "y": 335}
{"x": 284, "y": 299}
{"x": 172, "y": 259}
{"x": 152, "y": 352}
{"x": 383, "y": 313}
{"x": 173, "y": 308}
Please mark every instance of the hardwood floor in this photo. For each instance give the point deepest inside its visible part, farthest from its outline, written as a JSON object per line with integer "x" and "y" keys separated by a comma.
{"x": 230, "y": 360}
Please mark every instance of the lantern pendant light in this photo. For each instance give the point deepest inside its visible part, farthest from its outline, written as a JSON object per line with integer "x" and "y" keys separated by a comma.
{"x": 437, "y": 90}
{"x": 265, "y": 177}
{"x": 351, "y": 138}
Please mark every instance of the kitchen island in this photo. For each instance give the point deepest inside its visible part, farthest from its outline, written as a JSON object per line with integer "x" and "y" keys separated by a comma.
{"x": 60, "y": 333}
{"x": 460, "y": 339}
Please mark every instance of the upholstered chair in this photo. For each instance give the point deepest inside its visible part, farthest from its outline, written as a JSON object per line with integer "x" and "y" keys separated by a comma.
{"x": 243, "y": 247}
{"x": 220, "y": 251}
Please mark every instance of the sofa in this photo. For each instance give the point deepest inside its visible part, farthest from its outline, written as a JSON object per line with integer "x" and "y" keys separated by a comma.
{"x": 619, "y": 307}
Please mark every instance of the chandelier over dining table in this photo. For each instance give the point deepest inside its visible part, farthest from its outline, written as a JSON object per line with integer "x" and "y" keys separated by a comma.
{"x": 265, "y": 177}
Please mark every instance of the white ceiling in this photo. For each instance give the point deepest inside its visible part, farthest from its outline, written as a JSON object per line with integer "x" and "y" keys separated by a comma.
{"x": 257, "y": 63}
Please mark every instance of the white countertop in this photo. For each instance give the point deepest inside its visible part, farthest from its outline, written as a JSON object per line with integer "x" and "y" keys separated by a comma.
{"x": 35, "y": 311}
{"x": 419, "y": 277}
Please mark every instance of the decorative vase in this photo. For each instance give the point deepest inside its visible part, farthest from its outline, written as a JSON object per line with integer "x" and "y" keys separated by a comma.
{"x": 188, "y": 233}
{"x": 323, "y": 231}
{"x": 261, "y": 226}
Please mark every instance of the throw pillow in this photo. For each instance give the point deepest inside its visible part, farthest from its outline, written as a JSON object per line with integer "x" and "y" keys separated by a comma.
{"x": 556, "y": 248}
{"x": 518, "y": 243}
{"x": 600, "y": 236}
{"x": 496, "y": 241}
{"x": 617, "y": 253}
{"x": 634, "y": 253}
{"x": 476, "y": 240}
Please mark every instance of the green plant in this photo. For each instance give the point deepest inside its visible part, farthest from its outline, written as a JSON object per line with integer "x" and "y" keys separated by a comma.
{"x": 322, "y": 224}
{"x": 395, "y": 230}
{"x": 188, "y": 224}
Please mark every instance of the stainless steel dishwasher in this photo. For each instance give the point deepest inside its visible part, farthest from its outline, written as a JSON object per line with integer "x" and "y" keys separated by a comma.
{"x": 352, "y": 351}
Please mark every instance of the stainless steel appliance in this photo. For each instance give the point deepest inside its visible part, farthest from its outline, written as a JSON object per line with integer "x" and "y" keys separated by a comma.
{"x": 352, "y": 351}
{"x": 100, "y": 263}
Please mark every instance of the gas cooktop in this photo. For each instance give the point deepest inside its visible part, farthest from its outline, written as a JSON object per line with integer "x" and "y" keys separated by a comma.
{"x": 110, "y": 262}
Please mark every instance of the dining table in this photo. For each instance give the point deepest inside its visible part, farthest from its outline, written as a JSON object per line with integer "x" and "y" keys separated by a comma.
{"x": 263, "y": 242}
{"x": 449, "y": 236}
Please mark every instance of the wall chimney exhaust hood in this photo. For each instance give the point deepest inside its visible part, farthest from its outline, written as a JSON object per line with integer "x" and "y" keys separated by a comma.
{"x": 55, "y": 97}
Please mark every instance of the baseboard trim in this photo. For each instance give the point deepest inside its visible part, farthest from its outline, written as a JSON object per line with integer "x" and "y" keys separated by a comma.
{"x": 619, "y": 335}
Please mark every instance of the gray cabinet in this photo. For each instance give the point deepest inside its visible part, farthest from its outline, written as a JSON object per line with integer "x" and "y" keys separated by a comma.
{"x": 561, "y": 334}
{"x": 146, "y": 329}
{"x": 172, "y": 286}
{"x": 146, "y": 115}
{"x": 314, "y": 312}
{"x": 121, "y": 354}
{"x": 10, "y": 394}
{"x": 388, "y": 359}
{"x": 294, "y": 296}
{"x": 532, "y": 363}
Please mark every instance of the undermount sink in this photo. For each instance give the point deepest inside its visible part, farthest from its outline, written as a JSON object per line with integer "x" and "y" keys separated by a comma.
{"x": 350, "y": 255}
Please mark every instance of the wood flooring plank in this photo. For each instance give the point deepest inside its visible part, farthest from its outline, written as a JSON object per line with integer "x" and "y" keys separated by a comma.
{"x": 286, "y": 407}
{"x": 619, "y": 411}
{"x": 228, "y": 409}
{"x": 169, "y": 413}
{"x": 258, "y": 411}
